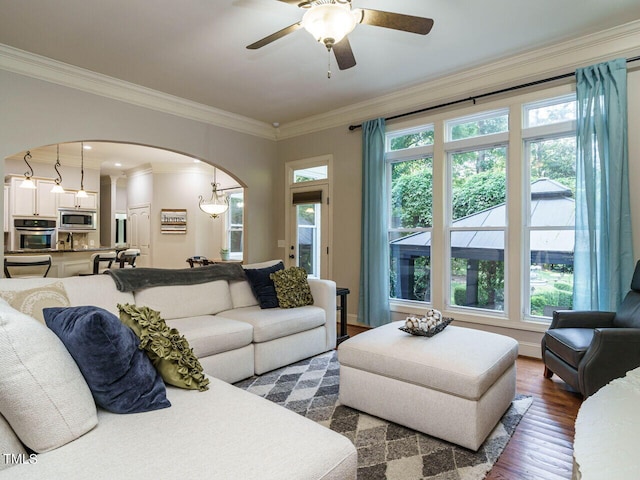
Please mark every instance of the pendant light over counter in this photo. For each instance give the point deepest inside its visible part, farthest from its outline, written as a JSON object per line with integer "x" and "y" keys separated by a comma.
{"x": 57, "y": 188}
{"x": 27, "y": 182}
{"x": 81, "y": 193}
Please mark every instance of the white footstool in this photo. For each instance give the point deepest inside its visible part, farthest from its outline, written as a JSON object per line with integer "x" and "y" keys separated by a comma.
{"x": 455, "y": 385}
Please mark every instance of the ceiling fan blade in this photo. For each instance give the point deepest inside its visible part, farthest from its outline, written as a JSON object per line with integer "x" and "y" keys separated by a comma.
{"x": 397, "y": 21}
{"x": 275, "y": 36}
{"x": 344, "y": 54}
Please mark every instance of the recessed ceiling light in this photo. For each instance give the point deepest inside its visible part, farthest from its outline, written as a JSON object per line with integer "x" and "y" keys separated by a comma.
{"x": 88, "y": 147}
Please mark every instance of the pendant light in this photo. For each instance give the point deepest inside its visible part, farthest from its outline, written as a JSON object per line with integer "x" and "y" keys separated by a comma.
{"x": 57, "y": 188}
{"x": 81, "y": 193}
{"x": 218, "y": 204}
{"x": 27, "y": 182}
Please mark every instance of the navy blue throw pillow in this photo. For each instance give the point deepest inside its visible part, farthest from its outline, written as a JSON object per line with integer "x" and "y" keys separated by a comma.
{"x": 120, "y": 376}
{"x": 262, "y": 285}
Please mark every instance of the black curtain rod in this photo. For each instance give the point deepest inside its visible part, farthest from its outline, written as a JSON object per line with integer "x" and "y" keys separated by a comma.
{"x": 483, "y": 95}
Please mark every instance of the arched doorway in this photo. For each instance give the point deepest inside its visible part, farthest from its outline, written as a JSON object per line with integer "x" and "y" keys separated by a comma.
{"x": 125, "y": 177}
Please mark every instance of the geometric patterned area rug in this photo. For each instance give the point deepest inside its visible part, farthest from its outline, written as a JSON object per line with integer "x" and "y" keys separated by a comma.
{"x": 385, "y": 450}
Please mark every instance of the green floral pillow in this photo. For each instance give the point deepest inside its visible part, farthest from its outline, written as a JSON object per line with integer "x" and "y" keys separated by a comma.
{"x": 292, "y": 287}
{"x": 169, "y": 351}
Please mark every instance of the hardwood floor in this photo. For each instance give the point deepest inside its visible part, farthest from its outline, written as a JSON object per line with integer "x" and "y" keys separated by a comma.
{"x": 542, "y": 446}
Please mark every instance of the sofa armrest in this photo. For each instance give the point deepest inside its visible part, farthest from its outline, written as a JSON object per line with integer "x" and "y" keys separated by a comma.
{"x": 581, "y": 319}
{"x": 612, "y": 353}
{"x": 324, "y": 296}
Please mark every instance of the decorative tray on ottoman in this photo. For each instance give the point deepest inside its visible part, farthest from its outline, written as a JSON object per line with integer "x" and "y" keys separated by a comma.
{"x": 426, "y": 326}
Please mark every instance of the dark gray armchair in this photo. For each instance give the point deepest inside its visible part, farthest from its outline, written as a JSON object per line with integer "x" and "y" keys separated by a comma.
{"x": 589, "y": 349}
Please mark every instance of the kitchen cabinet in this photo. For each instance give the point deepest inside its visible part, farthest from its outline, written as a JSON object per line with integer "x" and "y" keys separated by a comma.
{"x": 7, "y": 189}
{"x": 68, "y": 199}
{"x": 39, "y": 202}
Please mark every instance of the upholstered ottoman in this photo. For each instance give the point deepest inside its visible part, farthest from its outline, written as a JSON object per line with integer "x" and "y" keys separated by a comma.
{"x": 455, "y": 385}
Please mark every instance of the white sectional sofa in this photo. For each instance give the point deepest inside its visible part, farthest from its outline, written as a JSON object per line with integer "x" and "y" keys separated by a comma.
{"x": 221, "y": 433}
{"x": 230, "y": 334}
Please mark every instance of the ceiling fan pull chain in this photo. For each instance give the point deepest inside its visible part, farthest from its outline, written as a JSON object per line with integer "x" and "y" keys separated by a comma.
{"x": 329, "y": 64}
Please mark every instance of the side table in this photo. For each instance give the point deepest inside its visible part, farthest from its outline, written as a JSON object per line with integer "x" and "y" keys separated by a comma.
{"x": 341, "y": 293}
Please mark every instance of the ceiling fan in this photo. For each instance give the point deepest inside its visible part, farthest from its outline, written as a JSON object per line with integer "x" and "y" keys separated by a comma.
{"x": 330, "y": 21}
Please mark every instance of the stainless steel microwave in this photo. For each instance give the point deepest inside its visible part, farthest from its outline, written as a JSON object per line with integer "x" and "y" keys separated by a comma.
{"x": 74, "y": 220}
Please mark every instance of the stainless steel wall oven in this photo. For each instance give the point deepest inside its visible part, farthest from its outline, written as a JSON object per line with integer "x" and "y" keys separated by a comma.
{"x": 34, "y": 234}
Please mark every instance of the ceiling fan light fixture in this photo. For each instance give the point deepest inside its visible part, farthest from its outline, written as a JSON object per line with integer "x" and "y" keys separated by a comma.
{"x": 331, "y": 22}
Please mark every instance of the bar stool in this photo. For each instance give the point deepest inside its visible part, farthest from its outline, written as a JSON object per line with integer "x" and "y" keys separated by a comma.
{"x": 27, "y": 261}
{"x": 127, "y": 258}
{"x": 97, "y": 259}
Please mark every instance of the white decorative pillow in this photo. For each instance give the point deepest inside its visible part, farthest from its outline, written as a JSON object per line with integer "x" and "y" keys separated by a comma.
{"x": 43, "y": 395}
{"x": 32, "y": 301}
{"x": 9, "y": 444}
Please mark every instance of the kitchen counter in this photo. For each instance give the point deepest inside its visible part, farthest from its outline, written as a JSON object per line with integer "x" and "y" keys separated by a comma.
{"x": 66, "y": 263}
{"x": 53, "y": 251}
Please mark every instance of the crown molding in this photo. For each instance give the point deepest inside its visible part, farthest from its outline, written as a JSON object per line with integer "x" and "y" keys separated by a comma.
{"x": 139, "y": 171}
{"x": 534, "y": 65}
{"x": 43, "y": 68}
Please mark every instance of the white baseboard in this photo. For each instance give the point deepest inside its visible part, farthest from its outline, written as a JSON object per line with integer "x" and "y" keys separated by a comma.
{"x": 528, "y": 349}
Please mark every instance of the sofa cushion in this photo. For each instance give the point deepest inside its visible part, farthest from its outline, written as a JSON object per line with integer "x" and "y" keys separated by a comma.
{"x": 33, "y": 300}
{"x": 262, "y": 285}
{"x": 9, "y": 443}
{"x": 97, "y": 290}
{"x": 277, "y": 322}
{"x": 292, "y": 287}
{"x": 181, "y": 301}
{"x": 119, "y": 374}
{"x": 42, "y": 393}
{"x": 242, "y": 295}
{"x": 212, "y": 334}
{"x": 221, "y": 434}
{"x": 168, "y": 350}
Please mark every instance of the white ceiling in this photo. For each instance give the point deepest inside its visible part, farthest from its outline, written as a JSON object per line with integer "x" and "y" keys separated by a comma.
{"x": 195, "y": 49}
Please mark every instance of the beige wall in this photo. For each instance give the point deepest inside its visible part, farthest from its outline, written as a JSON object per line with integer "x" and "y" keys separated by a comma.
{"x": 203, "y": 237}
{"x": 345, "y": 146}
{"x": 36, "y": 113}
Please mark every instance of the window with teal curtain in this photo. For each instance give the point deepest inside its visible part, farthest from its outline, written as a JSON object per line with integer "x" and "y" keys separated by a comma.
{"x": 603, "y": 258}
{"x": 373, "y": 306}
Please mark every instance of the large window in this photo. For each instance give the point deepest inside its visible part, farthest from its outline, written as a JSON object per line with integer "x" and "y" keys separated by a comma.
{"x": 476, "y": 221}
{"x": 550, "y": 152}
{"x": 497, "y": 185}
{"x": 410, "y": 174}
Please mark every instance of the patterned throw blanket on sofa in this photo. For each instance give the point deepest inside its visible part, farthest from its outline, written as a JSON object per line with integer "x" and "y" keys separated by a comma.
{"x": 131, "y": 279}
